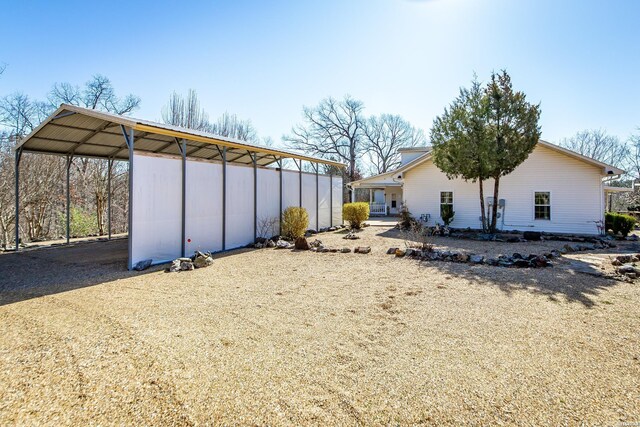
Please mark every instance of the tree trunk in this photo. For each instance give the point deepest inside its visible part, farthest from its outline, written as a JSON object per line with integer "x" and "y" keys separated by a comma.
{"x": 494, "y": 211}
{"x": 482, "y": 209}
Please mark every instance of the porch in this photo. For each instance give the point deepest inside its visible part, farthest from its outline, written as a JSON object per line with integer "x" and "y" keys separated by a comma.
{"x": 384, "y": 200}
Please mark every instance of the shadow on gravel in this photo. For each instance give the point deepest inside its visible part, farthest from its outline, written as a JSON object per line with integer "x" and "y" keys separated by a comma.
{"x": 571, "y": 280}
{"x": 50, "y": 270}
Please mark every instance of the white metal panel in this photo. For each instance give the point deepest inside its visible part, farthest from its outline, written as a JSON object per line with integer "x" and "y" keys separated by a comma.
{"x": 337, "y": 200}
{"x": 575, "y": 186}
{"x": 157, "y": 209}
{"x": 239, "y": 218}
{"x": 268, "y": 202}
{"x": 290, "y": 189}
{"x": 203, "y": 228}
{"x": 324, "y": 195}
{"x": 309, "y": 197}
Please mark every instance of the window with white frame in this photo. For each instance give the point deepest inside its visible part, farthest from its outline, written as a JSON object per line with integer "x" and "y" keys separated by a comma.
{"x": 446, "y": 202}
{"x": 542, "y": 205}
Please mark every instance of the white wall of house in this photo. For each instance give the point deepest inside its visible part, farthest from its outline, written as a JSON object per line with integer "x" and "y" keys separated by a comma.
{"x": 575, "y": 187}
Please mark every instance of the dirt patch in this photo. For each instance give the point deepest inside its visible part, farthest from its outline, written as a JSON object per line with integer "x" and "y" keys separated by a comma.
{"x": 290, "y": 337}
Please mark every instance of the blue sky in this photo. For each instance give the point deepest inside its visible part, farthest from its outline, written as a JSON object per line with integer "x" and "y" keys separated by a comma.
{"x": 264, "y": 60}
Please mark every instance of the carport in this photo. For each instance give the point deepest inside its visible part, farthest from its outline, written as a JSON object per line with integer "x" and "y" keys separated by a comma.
{"x": 188, "y": 190}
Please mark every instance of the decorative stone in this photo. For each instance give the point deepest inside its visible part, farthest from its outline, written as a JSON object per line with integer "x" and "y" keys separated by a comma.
{"x": 302, "y": 244}
{"x": 362, "y": 249}
{"x": 186, "y": 265}
{"x": 143, "y": 265}
{"x": 351, "y": 236}
{"x": 391, "y": 251}
{"x": 532, "y": 235}
{"x": 283, "y": 244}
{"x": 476, "y": 259}
{"x": 175, "y": 266}
{"x": 345, "y": 250}
{"x": 624, "y": 258}
{"x": 202, "y": 260}
{"x": 271, "y": 244}
{"x": 316, "y": 244}
{"x": 627, "y": 268}
{"x": 400, "y": 253}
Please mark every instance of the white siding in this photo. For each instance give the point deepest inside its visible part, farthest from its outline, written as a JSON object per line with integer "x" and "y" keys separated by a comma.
{"x": 203, "y": 225}
{"x": 575, "y": 186}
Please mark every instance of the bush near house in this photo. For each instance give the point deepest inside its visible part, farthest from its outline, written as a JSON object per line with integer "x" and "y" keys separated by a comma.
{"x": 295, "y": 222}
{"x": 619, "y": 223}
{"x": 355, "y": 213}
{"x": 447, "y": 214}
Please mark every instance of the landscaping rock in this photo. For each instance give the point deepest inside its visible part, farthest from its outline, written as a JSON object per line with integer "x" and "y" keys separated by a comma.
{"x": 555, "y": 253}
{"x": 476, "y": 259}
{"x": 283, "y": 244}
{"x": 302, "y": 244}
{"x": 628, "y": 268}
{"x": 312, "y": 231}
{"x": 351, "y": 236}
{"x": 400, "y": 253}
{"x": 186, "y": 265}
{"x": 345, "y": 250}
{"x": 521, "y": 263}
{"x": 624, "y": 258}
{"x": 513, "y": 239}
{"x": 271, "y": 244}
{"x": 362, "y": 250}
{"x": 142, "y": 265}
{"x": 316, "y": 244}
{"x": 202, "y": 260}
{"x": 259, "y": 245}
{"x": 616, "y": 263}
{"x": 175, "y": 266}
{"x": 532, "y": 235}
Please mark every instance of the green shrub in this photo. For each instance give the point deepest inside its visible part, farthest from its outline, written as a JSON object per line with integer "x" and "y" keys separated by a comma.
{"x": 295, "y": 222}
{"x": 619, "y": 223}
{"x": 407, "y": 221}
{"x": 81, "y": 223}
{"x": 447, "y": 214}
{"x": 355, "y": 213}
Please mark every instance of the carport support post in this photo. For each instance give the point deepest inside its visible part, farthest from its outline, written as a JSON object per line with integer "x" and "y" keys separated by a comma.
{"x": 300, "y": 179}
{"x": 17, "y": 218}
{"x": 183, "y": 151}
{"x": 330, "y": 199}
{"x": 109, "y": 166}
{"x": 317, "y": 198}
{"x": 254, "y": 159}
{"x": 224, "y": 196}
{"x": 280, "y": 216}
{"x": 129, "y": 139}
{"x": 69, "y": 160}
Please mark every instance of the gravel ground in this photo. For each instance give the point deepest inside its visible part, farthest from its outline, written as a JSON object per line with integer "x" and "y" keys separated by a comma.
{"x": 288, "y": 338}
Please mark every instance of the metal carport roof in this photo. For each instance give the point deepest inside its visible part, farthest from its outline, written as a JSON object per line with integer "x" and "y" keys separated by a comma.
{"x": 76, "y": 131}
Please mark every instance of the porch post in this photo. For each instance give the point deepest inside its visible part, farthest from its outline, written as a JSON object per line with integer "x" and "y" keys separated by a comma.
{"x": 370, "y": 195}
{"x": 300, "y": 180}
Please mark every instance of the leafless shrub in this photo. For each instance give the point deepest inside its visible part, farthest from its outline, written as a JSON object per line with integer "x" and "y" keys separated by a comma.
{"x": 267, "y": 226}
{"x": 417, "y": 237}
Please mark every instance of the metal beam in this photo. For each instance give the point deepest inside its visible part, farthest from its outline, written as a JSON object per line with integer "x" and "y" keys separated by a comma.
{"x": 69, "y": 161}
{"x": 17, "y": 217}
{"x": 255, "y": 195}
{"x": 110, "y": 166}
{"x": 280, "y": 191}
{"x": 183, "y": 150}
{"x": 317, "y": 198}
{"x": 129, "y": 140}
{"x": 330, "y": 199}
{"x": 224, "y": 197}
{"x": 88, "y": 137}
{"x": 65, "y": 114}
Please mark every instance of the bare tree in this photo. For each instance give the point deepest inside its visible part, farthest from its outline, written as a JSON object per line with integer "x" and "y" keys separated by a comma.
{"x": 186, "y": 112}
{"x": 384, "y": 135}
{"x": 597, "y": 144}
{"x": 231, "y": 126}
{"x": 97, "y": 94}
{"x": 332, "y": 130}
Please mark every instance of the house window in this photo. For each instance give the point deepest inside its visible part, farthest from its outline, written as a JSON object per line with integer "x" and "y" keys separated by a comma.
{"x": 542, "y": 205}
{"x": 394, "y": 202}
{"x": 446, "y": 202}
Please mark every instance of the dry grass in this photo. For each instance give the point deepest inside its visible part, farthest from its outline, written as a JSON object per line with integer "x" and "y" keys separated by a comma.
{"x": 289, "y": 338}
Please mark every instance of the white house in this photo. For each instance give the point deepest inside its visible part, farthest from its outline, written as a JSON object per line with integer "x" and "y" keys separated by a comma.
{"x": 554, "y": 190}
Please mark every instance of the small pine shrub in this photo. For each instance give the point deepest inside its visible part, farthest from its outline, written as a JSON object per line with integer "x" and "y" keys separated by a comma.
{"x": 295, "y": 222}
{"x": 447, "y": 214}
{"x": 407, "y": 221}
{"x": 355, "y": 213}
{"x": 619, "y": 223}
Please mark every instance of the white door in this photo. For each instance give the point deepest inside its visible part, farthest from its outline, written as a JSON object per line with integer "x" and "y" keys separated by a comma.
{"x": 394, "y": 205}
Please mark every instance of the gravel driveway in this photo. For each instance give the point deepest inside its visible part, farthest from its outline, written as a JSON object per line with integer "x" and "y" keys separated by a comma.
{"x": 280, "y": 337}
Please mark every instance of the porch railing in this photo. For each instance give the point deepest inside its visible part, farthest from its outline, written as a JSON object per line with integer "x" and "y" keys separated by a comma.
{"x": 377, "y": 209}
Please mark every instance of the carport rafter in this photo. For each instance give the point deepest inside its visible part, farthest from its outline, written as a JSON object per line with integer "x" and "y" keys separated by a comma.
{"x": 129, "y": 141}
